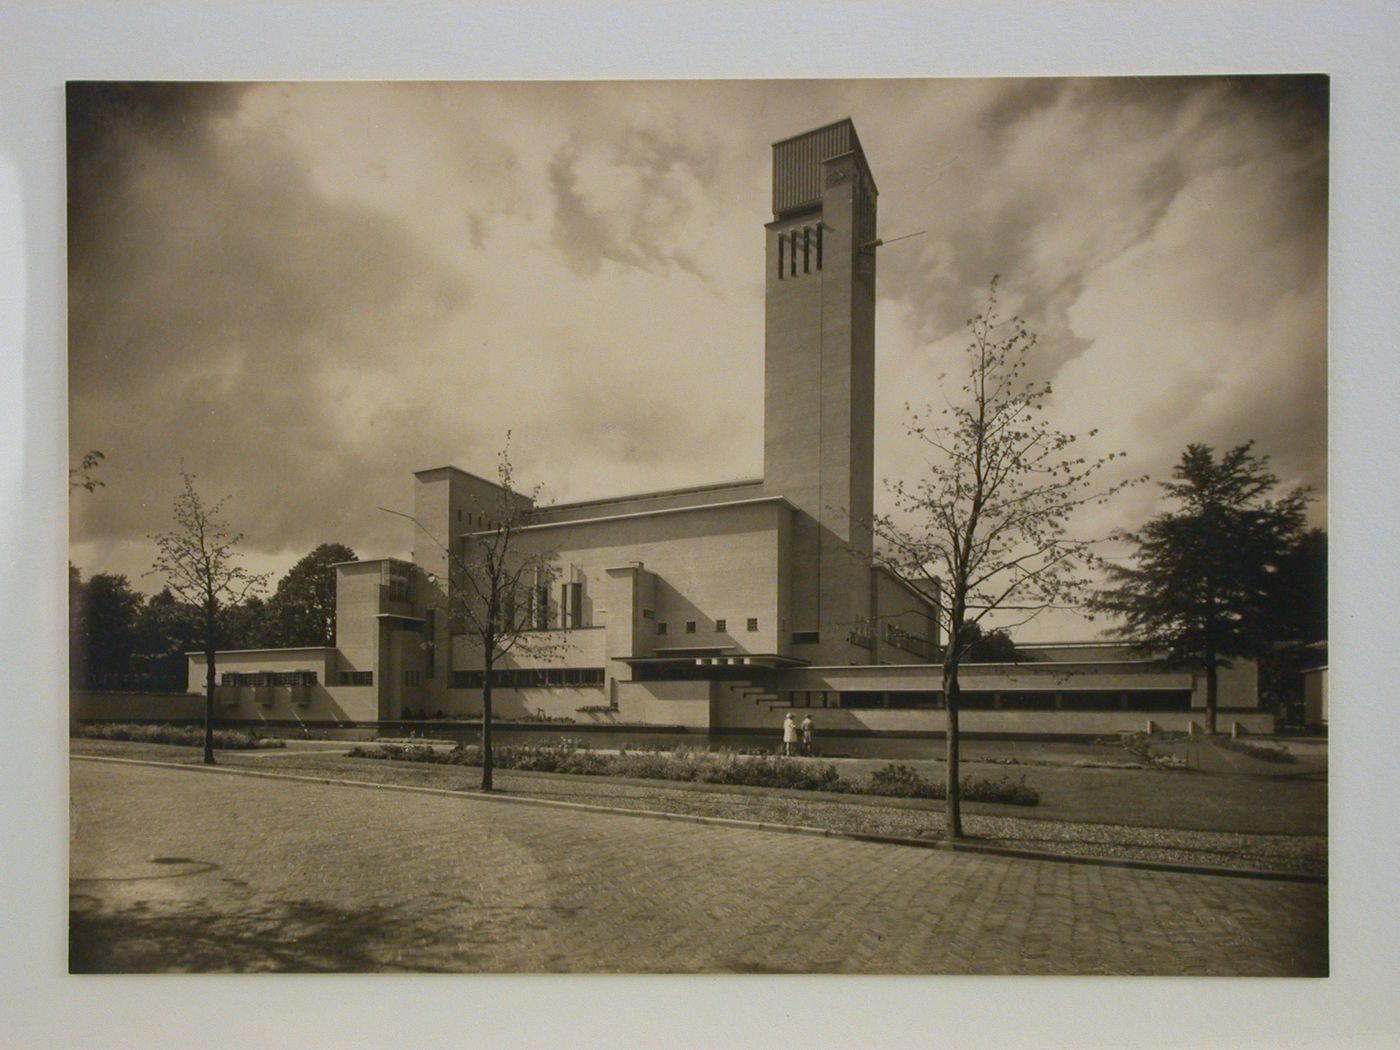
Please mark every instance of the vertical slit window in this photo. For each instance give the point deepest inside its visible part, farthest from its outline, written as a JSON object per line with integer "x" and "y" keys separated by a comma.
{"x": 792, "y": 260}
{"x": 819, "y": 246}
{"x": 806, "y": 249}
{"x": 782, "y": 242}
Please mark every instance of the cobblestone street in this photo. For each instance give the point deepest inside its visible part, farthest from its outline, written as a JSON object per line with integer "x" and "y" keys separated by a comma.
{"x": 178, "y": 870}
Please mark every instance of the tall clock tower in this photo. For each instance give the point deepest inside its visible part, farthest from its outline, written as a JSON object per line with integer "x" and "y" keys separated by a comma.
{"x": 819, "y": 382}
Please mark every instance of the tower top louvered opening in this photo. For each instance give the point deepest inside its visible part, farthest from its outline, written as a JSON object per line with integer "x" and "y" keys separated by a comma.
{"x": 797, "y": 164}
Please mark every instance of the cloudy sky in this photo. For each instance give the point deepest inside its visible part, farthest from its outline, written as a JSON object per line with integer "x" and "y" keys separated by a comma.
{"x": 306, "y": 292}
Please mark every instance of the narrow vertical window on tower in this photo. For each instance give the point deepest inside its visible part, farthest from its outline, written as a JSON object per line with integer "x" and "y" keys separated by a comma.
{"x": 540, "y": 611}
{"x": 819, "y": 246}
{"x": 792, "y": 261}
{"x": 571, "y": 605}
{"x": 429, "y": 642}
{"x": 782, "y": 243}
{"x": 806, "y": 249}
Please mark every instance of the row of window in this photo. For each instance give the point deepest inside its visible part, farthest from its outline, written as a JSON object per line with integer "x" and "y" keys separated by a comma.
{"x": 1068, "y": 700}
{"x": 480, "y": 521}
{"x": 266, "y": 678}
{"x": 529, "y": 678}
{"x": 721, "y": 626}
{"x": 356, "y": 678}
{"x": 806, "y": 242}
{"x": 538, "y": 613}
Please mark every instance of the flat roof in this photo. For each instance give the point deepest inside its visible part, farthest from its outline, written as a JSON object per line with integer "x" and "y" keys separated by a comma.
{"x": 657, "y": 494}
{"x": 659, "y": 651}
{"x": 793, "y": 662}
{"x": 288, "y": 649}
{"x": 456, "y": 470}
{"x": 726, "y": 505}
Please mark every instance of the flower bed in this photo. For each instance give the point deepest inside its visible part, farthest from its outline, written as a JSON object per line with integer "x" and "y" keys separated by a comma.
{"x": 188, "y": 736}
{"x": 723, "y": 767}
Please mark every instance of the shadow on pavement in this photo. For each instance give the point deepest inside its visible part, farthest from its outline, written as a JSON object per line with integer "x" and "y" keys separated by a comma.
{"x": 291, "y": 937}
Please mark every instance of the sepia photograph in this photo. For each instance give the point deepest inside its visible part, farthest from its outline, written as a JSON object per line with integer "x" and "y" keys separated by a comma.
{"x": 831, "y": 526}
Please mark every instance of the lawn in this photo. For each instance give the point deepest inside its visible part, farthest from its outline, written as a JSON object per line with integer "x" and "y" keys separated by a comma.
{"x": 1186, "y": 800}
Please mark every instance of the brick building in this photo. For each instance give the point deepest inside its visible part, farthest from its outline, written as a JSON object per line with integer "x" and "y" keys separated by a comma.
{"x": 716, "y": 606}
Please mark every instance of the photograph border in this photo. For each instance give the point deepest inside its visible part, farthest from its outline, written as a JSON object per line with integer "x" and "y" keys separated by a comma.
{"x": 587, "y": 40}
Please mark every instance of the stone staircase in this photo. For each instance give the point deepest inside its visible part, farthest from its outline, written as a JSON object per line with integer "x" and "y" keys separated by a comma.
{"x": 758, "y": 694}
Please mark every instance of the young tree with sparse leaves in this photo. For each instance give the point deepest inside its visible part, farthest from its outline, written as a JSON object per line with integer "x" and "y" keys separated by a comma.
{"x": 1200, "y": 584}
{"x": 83, "y": 476}
{"x": 198, "y": 559}
{"x": 498, "y": 591}
{"x": 985, "y": 530}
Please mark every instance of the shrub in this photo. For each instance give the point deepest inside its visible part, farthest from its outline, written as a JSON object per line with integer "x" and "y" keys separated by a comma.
{"x": 773, "y": 771}
{"x": 401, "y": 752}
{"x": 690, "y": 765}
{"x": 902, "y": 781}
{"x": 683, "y": 764}
{"x": 187, "y": 736}
{"x": 1004, "y": 790}
{"x": 1263, "y": 752}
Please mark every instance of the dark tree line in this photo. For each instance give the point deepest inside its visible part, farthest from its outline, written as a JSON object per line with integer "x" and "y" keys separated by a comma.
{"x": 120, "y": 638}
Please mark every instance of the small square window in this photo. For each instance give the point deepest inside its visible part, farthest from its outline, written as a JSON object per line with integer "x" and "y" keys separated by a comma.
{"x": 721, "y": 626}
{"x": 660, "y": 626}
{"x": 753, "y": 623}
{"x": 689, "y": 626}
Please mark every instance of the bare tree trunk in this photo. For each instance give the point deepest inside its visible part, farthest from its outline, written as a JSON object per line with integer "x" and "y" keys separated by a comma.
{"x": 209, "y": 701}
{"x": 951, "y": 701}
{"x": 486, "y": 757}
{"x": 1212, "y": 692}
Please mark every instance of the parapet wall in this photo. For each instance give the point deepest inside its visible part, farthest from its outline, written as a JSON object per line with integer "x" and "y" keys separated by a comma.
{"x": 94, "y": 706}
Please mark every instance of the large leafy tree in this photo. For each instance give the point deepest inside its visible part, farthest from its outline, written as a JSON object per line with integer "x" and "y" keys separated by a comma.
{"x": 107, "y": 613}
{"x": 985, "y": 531}
{"x": 990, "y": 647}
{"x": 1198, "y": 586}
{"x": 198, "y": 558}
{"x": 302, "y": 611}
{"x": 247, "y": 625}
{"x": 166, "y": 630}
{"x": 1295, "y": 604}
{"x": 77, "y": 628}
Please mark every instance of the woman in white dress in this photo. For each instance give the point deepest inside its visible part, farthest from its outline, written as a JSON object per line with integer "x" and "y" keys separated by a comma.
{"x": 789, "y": 734}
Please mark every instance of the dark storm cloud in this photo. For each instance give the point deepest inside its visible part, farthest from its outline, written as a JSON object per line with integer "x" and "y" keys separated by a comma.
{"x": 306, "y": 292}
{"x": 222, "y": 310}
{"x": 110, "y": 127}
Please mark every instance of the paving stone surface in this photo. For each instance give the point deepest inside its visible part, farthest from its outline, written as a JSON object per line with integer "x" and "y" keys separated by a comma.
{"x": 177, "y": 870}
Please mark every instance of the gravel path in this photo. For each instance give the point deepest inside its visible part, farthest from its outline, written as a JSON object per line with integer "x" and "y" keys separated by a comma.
{"x": 911, "y": 818}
